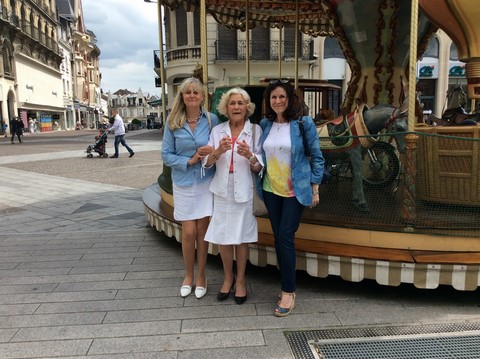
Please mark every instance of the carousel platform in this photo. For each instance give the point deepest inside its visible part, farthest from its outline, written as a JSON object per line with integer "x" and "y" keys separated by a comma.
{"x": 335, "y": 240}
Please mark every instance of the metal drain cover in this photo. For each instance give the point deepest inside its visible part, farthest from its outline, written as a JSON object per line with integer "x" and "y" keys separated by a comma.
{"x": 451, "y": 341}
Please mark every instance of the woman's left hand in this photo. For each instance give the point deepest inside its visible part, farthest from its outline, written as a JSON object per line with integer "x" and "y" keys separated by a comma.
{"x": 243, "y": 149}
{"x": 205, "y": 150}
{"x": 315, "y": 200}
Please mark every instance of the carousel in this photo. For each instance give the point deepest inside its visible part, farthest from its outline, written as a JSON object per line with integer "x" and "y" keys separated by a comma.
{"x": 403, "y": 203}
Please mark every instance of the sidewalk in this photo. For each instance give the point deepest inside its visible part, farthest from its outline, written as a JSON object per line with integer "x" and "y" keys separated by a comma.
{"x": 82, "y": 275}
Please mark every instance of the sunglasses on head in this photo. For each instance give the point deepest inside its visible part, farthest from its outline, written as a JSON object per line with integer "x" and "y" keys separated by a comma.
{"x": 279, "y": 81}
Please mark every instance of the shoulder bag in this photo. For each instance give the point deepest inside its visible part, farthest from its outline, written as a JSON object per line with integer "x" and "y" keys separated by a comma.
{"x": 259, "y": 208}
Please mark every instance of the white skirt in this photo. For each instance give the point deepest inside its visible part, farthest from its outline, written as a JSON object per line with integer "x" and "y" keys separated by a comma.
{"x": 231, "y": 222}
{"x": 192, "y": 202}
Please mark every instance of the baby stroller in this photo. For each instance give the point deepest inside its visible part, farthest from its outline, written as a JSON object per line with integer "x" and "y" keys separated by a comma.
{"x": 98, "y": 146}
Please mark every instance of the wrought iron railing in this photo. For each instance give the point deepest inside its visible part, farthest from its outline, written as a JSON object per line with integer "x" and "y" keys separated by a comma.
{"x": 264, "y": 50}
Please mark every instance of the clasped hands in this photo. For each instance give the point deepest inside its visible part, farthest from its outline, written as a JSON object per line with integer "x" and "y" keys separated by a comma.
{"x": 243, "y": 149}
{"x": 200, "y": 154}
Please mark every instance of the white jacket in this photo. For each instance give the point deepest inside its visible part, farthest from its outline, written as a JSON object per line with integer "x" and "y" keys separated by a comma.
{"x": 118, "y": 126}
{"x": 243, "y": 183}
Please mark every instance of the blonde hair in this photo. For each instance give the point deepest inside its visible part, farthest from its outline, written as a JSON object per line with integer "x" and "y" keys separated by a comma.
{"x": 222, "y": 105}
{"x": 177, "y": 116}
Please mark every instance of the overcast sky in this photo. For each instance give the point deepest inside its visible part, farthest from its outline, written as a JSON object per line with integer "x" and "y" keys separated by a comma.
{"x": 127, "y": 34}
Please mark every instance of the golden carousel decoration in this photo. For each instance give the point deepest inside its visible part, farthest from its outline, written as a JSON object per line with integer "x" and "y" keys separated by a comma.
{"x": 421, "y": 226}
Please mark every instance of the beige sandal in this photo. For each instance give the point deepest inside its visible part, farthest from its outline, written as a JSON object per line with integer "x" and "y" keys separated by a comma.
{"x": 283, "y": 312}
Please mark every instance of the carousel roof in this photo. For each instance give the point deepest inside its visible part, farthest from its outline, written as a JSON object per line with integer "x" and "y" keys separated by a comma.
{"x": 313, "y": 17}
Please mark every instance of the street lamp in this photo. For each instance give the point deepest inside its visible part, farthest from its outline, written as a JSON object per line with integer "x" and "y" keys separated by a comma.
{"x": 162, "y": 67}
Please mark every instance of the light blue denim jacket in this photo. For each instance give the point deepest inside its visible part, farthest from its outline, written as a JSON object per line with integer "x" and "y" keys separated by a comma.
{"x": 180, "y": 145}
{"x": 304, "y": 172}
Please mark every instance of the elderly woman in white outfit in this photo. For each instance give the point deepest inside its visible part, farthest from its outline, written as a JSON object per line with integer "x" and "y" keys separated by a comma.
{"x": 237, "y": 154}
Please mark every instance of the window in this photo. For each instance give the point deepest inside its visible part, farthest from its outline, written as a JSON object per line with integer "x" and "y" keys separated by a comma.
{"x": 196, "y": 28}
{"x": 289, "y": 43}
{"x": 182, "y": 33}
{"x": 227, "y": 43}
{"x": 432, "y": 49}
{"x": 7, "y": 61}
{"x": 332, "y": 49}
{"x": 260, "y": 43}
{"x": 453, "y": 52}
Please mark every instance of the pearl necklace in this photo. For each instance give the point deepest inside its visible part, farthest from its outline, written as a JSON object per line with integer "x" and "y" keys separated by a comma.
{"x": 194, "y": 120}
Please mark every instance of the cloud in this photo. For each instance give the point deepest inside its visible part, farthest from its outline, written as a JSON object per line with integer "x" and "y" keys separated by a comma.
{"x": 127, "y": 35}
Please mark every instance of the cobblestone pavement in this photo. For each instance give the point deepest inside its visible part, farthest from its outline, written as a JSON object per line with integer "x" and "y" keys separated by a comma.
{"x": 82, "y": 275}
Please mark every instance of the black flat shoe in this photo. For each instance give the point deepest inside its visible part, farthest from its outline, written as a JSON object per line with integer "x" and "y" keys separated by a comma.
{"x": 221, "y": 296}
{"x": 240, "y": 300}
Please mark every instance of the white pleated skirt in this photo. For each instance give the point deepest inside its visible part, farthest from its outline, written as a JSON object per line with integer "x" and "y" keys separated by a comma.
{"x": 192, "y": 202}
{"x": 231, "y": 222}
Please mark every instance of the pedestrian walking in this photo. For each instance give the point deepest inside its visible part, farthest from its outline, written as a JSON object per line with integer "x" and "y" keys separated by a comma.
{"x": 4, "y": 128}
{"x": 17, "y": 127}
{"x": 118, "y": 127}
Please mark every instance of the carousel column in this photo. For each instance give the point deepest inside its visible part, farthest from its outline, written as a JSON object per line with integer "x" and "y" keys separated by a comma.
{"x": 409, "y": 196}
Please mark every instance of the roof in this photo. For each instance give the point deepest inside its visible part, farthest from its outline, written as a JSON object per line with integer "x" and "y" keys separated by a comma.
{"x": 65, "y": 8}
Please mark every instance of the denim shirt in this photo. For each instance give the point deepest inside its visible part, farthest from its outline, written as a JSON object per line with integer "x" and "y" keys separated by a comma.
{"x": 180, "y": 145}
{"x": 304, "y": 171}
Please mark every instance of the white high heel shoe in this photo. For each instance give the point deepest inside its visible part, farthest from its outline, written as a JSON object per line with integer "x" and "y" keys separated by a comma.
{"x": 201, "y": 291}
{"x": 185, "y": 290}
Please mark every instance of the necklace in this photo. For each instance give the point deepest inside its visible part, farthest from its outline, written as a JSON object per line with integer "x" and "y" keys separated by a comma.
{"x": 193, "y": 120}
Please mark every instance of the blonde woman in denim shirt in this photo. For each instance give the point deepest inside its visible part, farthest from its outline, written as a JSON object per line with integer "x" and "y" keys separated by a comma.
{"x": 184, "y": 146}
{"x": 290, "y": 180}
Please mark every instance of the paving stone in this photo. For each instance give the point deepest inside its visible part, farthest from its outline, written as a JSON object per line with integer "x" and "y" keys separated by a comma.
{"x": 37, "y": 320}
{"x": 110, "y": 305}
{"x": 124, "y": 330}
{"x": 43, "y": 349}
{"x": 178, "y": 342}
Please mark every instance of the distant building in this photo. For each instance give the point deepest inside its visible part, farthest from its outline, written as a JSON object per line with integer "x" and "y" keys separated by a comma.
{"x": 132, "y": 105}
{"x": 30, "y": 82}
{"x": 86, "y": 77}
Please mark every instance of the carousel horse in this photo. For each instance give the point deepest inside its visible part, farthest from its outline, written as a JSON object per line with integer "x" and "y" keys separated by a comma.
{"x": 365, "y": 125}
{"x": 455, "y": 114}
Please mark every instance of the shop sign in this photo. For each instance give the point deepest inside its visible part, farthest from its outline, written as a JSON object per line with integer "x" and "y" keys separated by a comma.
{"x": 428, "y": 70}
{"x": 456, "y": 69}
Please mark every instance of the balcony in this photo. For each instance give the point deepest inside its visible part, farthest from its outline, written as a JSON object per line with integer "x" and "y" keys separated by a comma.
{"x": 184, "y": 53}
{"x": 263, "y": 50}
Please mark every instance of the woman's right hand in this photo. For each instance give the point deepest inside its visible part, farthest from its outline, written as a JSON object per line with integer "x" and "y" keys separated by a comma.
{"x": 195, "y": 159}
{"x": 225, "y": 144}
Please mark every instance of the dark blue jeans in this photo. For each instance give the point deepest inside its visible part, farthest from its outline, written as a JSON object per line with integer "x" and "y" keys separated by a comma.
{"x": 284, "y": 214}
{"x": 121, "y": 139}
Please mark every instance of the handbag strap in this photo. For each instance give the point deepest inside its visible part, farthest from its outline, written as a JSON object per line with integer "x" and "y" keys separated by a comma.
{"x": 304, "y": 138}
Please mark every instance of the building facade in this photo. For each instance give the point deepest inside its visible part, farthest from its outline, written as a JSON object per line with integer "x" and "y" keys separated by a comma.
{"x": 85, "y": 105}
{"x": 30, "y": 80}
{"x": 319, "y": 58}
{"x": 227, "y": 52}
{"x": 44, "y": 45}
{"x": 134, "y": 105}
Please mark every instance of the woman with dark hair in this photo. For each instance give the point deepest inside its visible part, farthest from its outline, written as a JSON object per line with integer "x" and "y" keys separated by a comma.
{"x": 184, "y": 146}
{"x": 290, "y": 180}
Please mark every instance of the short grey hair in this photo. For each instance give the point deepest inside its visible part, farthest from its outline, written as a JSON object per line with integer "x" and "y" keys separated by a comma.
{"x": 222, "y": 105}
